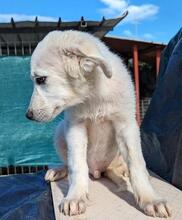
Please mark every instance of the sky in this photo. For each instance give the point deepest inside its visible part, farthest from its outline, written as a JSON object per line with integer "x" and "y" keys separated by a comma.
{"x": 153, "y": 20}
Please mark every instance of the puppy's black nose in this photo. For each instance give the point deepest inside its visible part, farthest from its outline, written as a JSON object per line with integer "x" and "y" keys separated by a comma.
{"x": 29, "y": 115}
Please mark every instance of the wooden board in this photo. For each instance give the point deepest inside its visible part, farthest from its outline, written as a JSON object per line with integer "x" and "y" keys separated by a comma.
{"x": 108, "y": 204}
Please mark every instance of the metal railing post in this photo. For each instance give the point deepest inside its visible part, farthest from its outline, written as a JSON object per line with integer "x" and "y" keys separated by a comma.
{"x": 136, "y": 77}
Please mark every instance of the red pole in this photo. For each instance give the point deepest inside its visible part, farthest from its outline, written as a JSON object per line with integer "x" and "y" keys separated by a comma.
{"x": 136, "y": 76}
{"x": 158, "y": 57}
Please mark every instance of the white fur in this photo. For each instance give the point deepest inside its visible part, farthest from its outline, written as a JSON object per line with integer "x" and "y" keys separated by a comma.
{"x": 93, "y": 86}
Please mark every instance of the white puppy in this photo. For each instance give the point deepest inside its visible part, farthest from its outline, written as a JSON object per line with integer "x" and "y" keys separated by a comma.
{"x": 77, "y": 73}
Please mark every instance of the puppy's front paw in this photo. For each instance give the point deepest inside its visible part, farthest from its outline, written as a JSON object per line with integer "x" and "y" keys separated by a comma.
{"x": 157, "y": 208}
{"x": 71, "y": 207}
{"x": 56, "y": 174}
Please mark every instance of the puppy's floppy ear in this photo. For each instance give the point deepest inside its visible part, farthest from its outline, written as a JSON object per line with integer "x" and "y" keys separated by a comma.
{"x": 88, "y": 63}
{"x": 71, "y": 63}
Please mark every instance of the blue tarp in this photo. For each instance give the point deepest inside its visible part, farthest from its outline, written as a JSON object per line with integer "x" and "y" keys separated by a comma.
{"x": 25, "y": 196}
{"x": 162, "y": 125}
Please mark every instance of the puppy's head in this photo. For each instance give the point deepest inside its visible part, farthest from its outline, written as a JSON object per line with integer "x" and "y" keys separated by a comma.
{"x": 62, "y": 73}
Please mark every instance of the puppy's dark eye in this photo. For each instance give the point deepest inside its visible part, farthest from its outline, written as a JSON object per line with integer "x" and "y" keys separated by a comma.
{"x": 41, "y": 80}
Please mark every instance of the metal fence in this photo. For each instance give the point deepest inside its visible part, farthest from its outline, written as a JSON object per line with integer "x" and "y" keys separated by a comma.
{"x": 144, "y": 104}
{"x": 9, "y": 170}
{"x": 17, "y": 49}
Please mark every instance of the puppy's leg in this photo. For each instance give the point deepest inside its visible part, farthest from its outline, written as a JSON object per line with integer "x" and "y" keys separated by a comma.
{"x": 55, "y": 174}
{"x": 147, "y": 199}
{"x": 76, "y": 138}
{"x": 118, "y": 173}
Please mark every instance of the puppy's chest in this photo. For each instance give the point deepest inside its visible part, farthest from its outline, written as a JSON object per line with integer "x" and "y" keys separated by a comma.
{"x": 101, "y": 144}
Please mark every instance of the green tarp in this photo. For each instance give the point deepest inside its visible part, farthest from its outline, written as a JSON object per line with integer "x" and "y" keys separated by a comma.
{"x": 22, "y": 142}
